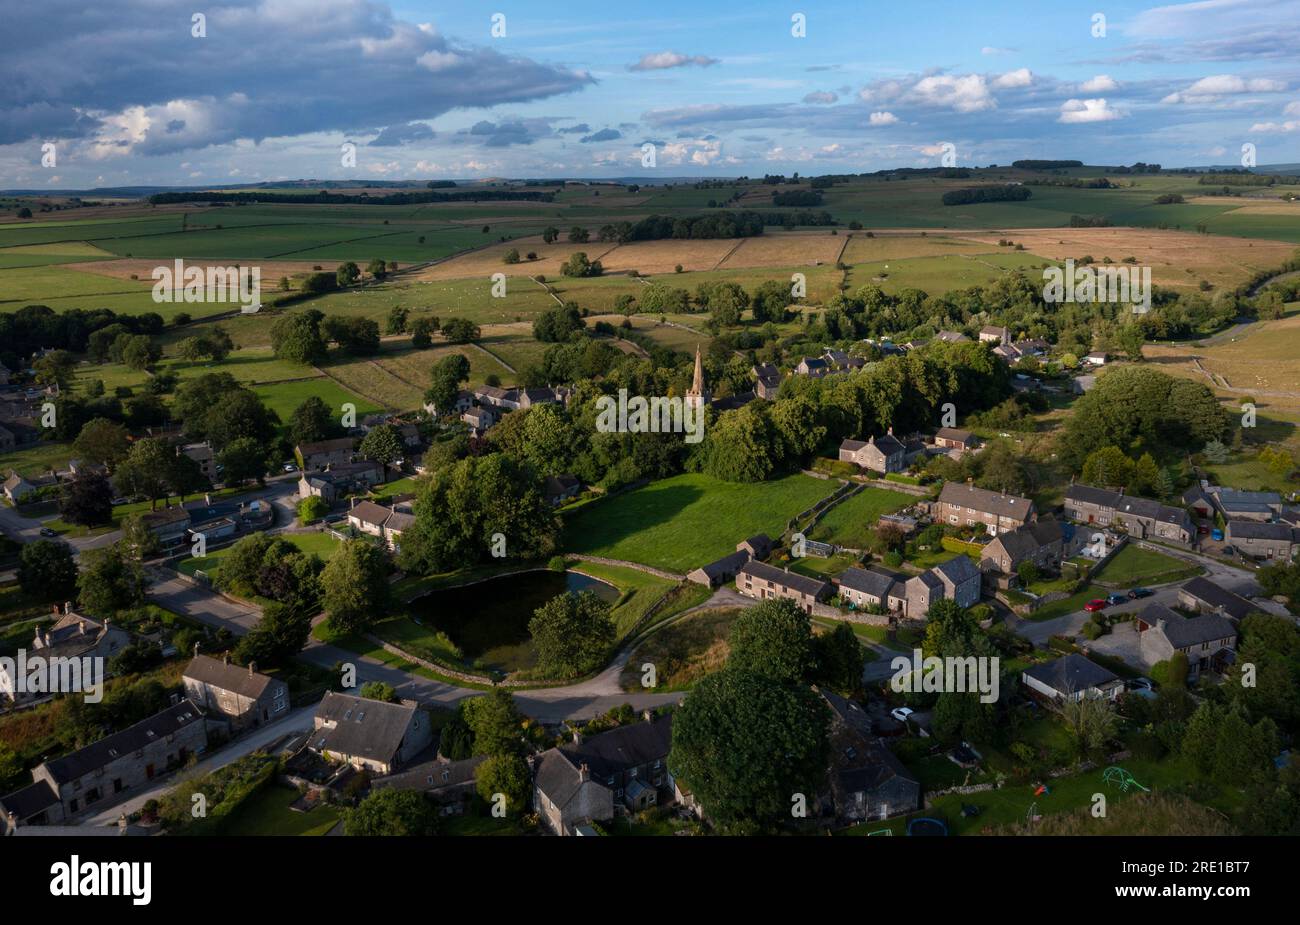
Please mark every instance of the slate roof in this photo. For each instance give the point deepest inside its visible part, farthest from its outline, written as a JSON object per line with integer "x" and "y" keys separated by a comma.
{"x": 871, "y": 765}
{"x": 363, "y": 728}
{"x": 1254, "y": 530}
{"x": 727, "y": 565}
{"x": 1187, "y": 631}
{"x": 1209, "y": 593}
{"x": 432, "y": 775}
{"x": 604, "y": 755}
{"x": 325, "y": 446}
{"x": 989, "y": 502}
{"x": 852, "y": 445}
{"x": 958, "y": 569}
{"x": 370, "y": 513}
{"x": 1129, "y": 504}
{"x": 216, "y": 672}
{"x": 869, "y": 581}
{"x": 1071, "y": 673}
{"x": 29, "y": 800}
{"x": 133, "y": 738}
{"x": 888, "y": 444}
{"x": 953, "y": 433}
{"x": 801, "y": 583}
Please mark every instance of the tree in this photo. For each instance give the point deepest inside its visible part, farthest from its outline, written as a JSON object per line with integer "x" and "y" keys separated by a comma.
{"x": 550, "y": 234}
{"x": 378, "y": 268}
{"x": 383, "y": 444}
{"x": 445, "y": 378}
{"x": 506, "y": 775}
{"x": 312, "y": 508}
{"x": 297, "y": 338}
{"x": 494, "y": 721}
{"x": 557, "y": 325}
{"x": 571, "y": 633}
{"x": 312, "y": 421}
{"x": 347, "y": 274}
{"x": 773, "y": 639}
{"x": 396, "y": 320}
{"x": 55, "y": 368}
{"x": 355, "y": 586}
{"x": 390, "y": 811}
{"x": 109, "y": 582}
{"x": 102, "y": 441}
{"x": 422, "y": 332}
{"x": 278, "y": 636}
{"x": 840, "y": 657}
{"x": 511, "y": 257}
{"x": 460, "y": 331}
{"x": 1132, "y": 338}
{"x": 47, "y": 570}
{"x": 378, "y": 690}
{"x": 745, "y": 745}
{"x": 146, "y": 470}
{"x": 242, "y": 459}
{"x": 1092, "y": 722}
{"x": 138, "y": 541}
{"x": 87, "y": 500}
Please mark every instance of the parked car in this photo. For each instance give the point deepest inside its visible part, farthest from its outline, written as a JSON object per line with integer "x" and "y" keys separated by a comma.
{"x": 289, "y": 467}
{"x": 1116, "y": 598}
{"x": 901, "y": 713}
{"x": 1229, "y": 550}
{"x": 46, "y": 531}
{"x": 1142, "y": 684}
{"x": 1202, "y": 529}
{"x": 1216, "y": 534}
{"x": 1140, "y": 592}
{"x": 1095, "y": 605}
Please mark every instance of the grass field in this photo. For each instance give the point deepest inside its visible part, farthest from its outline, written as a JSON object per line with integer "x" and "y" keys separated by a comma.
{"x": 267, "y": 812}
{"x": 1134, "y": 565}
{"x": 685, "y": 521}
{"x": 850, "y": 523}
{"x": 322, "y": 544}
{"x": 683, "y": 652}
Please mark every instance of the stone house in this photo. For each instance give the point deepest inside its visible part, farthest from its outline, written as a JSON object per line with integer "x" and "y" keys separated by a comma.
{"x": 244, "y": 697}
{"x": 719, "y": 572}
{"x": 16, "y": 488}
{"x": 1204, "y": 596}
{"x": 449, "y": 783}
{"x": 759, "y": 546}
{"x": 324, "y": 454}
{"x": 767, "y": 381}
{"x": 202, "y": 454}
{"x": 561, "y": 488}
{"x": 879, "y": 454}
{"x": 952, "y": 438}
{"x": 626, "y": 767}
{"x": 103, "y": 771}
{"x": 371, "y": 735}
{"x": 386, "y": 523}
{"x": 169, "y": 525}
{"x": 1072, "y": 677}
{"x": 1247, "y": 505}
{"x": 965, "y": 504}
{"x": 956, "y": 579}
{"x": 1140, "y": 517}
{"x": 763, "y": 582}
{"x": 816, "y": 367}
{"x": 1046, "y": 543}
{"x": 866, "y": 780}
{"x": 335, "y": 482}
{"x": 990, "y": 334}
{"x": 463, "y": 401}
{"x": 1276, "y": 541}
{"x": 73, "y": 635}
{"x": 873, "y": 588}
{"x": 1203, "y": 639}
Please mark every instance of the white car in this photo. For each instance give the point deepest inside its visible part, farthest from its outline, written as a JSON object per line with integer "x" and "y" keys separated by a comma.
{"x": 902, "y": 714}
{"x": 289, "y": 467}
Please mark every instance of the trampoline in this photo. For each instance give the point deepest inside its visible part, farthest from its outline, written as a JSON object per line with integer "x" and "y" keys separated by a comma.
{"x": 927, "y": 826}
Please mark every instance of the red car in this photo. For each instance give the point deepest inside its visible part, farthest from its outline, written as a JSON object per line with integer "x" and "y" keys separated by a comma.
{"x": 1094, "y": 605}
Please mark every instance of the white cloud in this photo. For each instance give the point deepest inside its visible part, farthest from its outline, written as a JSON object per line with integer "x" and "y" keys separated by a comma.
{"x": 1210, "y": 89}
{"x": 1102, "y": 83}
{"x": 883, "y": 118}
{"x": 1275, "y": 127}
{"x": 1021, "y": 77}
{"x": 1077, "y": 111}
{"x": 663, "y": 60}
{"x": 967, "y": 93}
{"x": 821, "y": 96}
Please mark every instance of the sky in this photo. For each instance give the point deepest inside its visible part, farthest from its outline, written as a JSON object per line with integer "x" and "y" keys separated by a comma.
{"x": 127, "y": 93}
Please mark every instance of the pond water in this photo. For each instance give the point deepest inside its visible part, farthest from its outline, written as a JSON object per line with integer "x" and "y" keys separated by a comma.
{"x": 488, "y": 621}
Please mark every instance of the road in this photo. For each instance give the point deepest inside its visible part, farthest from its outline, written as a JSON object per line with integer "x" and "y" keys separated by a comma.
{"x": 1241, "y": 581}
{"x": 297, "y": 721}
{"x": 551, "y": 705}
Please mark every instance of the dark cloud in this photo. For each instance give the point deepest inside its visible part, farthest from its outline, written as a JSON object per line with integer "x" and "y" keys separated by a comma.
{"x": 395, "y": 135}
{"x": 267, "y": 68}
{"x": 513, "y": 132}
{"x": 580, "y": 129}
{"x": 605, "y": 134}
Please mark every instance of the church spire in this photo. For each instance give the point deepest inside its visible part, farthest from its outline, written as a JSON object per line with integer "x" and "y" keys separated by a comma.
{"x": 698, "y": 392}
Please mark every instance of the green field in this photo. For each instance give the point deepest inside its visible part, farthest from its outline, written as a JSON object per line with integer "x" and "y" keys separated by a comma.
{"x": 1134, "y": 565}
{"x": 685, "y": 521}
{"x": 850, "y": 523}
{"x": 322, "y": 544}
{"x": 267, "y": 812}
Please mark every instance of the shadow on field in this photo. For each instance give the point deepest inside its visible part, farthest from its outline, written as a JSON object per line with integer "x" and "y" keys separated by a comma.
{"x": 606, "y": 523}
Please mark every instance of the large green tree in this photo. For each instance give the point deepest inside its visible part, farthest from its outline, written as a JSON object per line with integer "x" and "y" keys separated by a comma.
{"x": 355, "y": 586}
{"x": 773, "y": 639}
{"x": 572, "y": 634}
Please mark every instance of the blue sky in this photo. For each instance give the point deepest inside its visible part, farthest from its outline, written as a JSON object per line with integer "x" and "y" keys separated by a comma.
{"x": 128, "y": 96}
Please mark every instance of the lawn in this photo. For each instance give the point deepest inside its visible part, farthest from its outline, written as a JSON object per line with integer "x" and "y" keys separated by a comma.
{"x": 638, "y": 591}
{"x": 267, "y": 812}
{"x": 850, "y": 523}
{"x": 318, "y": 542}
{"x": 36, "y": 458}
{"x": 688, "y": 520}
{"x": 1134, "y": 565}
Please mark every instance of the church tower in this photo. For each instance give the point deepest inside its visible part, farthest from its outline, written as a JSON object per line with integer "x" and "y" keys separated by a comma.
{"x": 699, "y": 393}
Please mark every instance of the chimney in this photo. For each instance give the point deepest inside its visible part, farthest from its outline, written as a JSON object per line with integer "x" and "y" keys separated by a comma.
{"x": 252, "y": 669}
{"x": 81, "y": 627}
{"x": 226, "y": 658}
{"x": 890, "y": 431}
{"x": 1160, "y": 624}
{"x": 648, "y": 716}
{"x": 196, "y": 650}
{"x": 67, "y": 606}
{"x": 584, "y": 772}
{"x": 352, "y": 503}
{"x": 577, "y": 737}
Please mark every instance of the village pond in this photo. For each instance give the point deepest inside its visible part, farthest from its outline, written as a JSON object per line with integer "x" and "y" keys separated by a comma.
{"x": 488, "y": 621}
